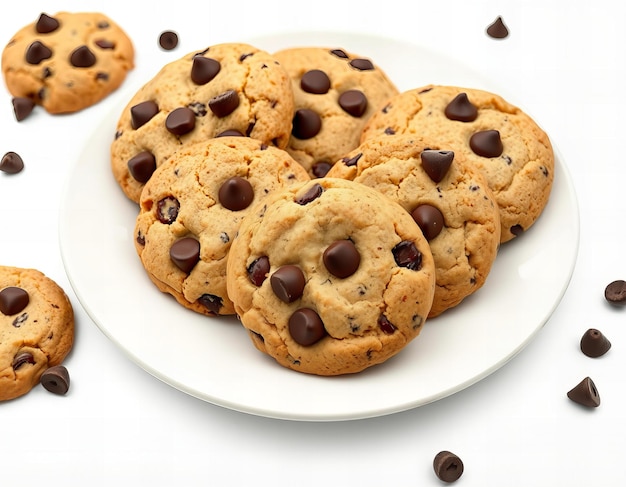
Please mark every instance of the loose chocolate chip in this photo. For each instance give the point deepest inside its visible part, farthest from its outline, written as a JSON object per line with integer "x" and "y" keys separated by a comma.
{"x": 339, "y": 53}
{"x": 436, "y": 163}
{"x": 385, "y": 325}
{"x": 315, "y": 81}
{"x": 353, "y": 102}
{"x": 13, "y": 300}
{"x": 311, "y": 194}
{"x": 461, "y": 109}
{"x": 585, "y": 393}
{"x": 352, "y": 161}
{"x": 104, "y": 44}
{"x": 22, "y": 107}
{"x": 180, "y": 121}
{"x": 21, "y": 359}
{"x": 142, "y": 166}
{"x": 362, "y": 64}
{"x": 142, "y": 113}
{"x": 204, "y": 69}
{"x": 236, "y": 193}
{"x": 185, "y": 253}
{"x": 497, "y": 29}
{"x": 258, "y": 270}
{"x": 615, "y": 293}
{"x": 230, "y": 133}
{"x": 306, "y": 124}
{"x": 306, "y": 327}
{"x": 56, "y": 379}
{"x": 406, "y": 254}
{"x": 594, "y": 344}
{"x": 288, "y": 283}
{"x": 448, "y": 466}
{"x": 224, "y": 104}
{"x": 82, "y": 57}
{"x": 211, "y": 302}
{"x": 517, "y": 230}
{"x": 46, "y": 24}
{"x": 11, "y": 163}
{"x": 342, "y": 258}
{"x": 168, "y": 40}
{"x": 321, "y": 168}
{"x": 487, "y": 143}
{"x": 429, "y": 219}
{"x": 37, "y": 52}
{"x": 167, "y": 210}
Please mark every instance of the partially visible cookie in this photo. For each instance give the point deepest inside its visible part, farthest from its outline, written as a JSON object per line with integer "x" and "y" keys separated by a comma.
{"x": 330, "y": 277}
{"x": 335, "y": 93}
{"x": 36, "y": 328}
{"x": 229, "y": 88}
{"x": 448, "y": 198}
{"x": 190, "y": 212}
{"x": 68, "y": 61}
{"x": 500, "y": 139}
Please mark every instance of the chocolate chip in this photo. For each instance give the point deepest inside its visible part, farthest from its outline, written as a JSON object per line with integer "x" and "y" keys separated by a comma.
{"x": 180, "y": 121}
{"x": 615, "y": 293}
{"x": 362, "y": 64}
{"x": 487, "y": 143}
{"x": 168, "y": 40}
{"x": 22, "y": 107}
{"x": 230, "y": 133}
{"x": 204, "y": 69}
{"x": 352, "y": 161}
{"x": 340, "y": 53}
{"x": 315, "y": 81}
{"x": 82, "y": 57}
{"x": 56, "y": 379}
{"x": 21, "y": 359}
{"x": 19, "y": 320}
{"x": 516, "y": 230}
{"x": 288, "y": 283}
{"x": 585, "y": 393}
{"x": 142, "y": 113}
{"x": 497, "y": 29}
{"x": 429, "y": 219}
{"x": 46, "y": 24}
{"x": 224, "y": 104}
{"x": 142, "y": 166}
{"x": 13, "y": 300}
{"x": 37, "y": 52}
{"x": 258, "y": 270}
{"x": 448, "y": 466}
{"x": 185, "y": 253}
{"x": 353, "y": 102}
{"x": 306, "y": 327}
{"x": 342, "y": 258}
{"x": 461, "y": 109}
{"x": 436, "y": 163}
{"x": 406, "y": 254}
{"x": 594, "y": 344}
{"x": 211, "y": 302}
{"x": 11, "y": 163}
{"x": 104, "y": 44}
{"x": 306, "y": 124}
{"x": 311, "y": 194}
{"x": 385, "y": 325}
{"x": 236, "y": 193}
{"x": 321, "y": 168}
{"x": 167, "y": 210}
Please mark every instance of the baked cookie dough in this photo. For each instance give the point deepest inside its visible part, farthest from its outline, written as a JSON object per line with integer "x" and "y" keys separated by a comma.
{"x": 503, "y": 142}
{"x": 36, "y": 329}
{"x": 191, "y": 208}
{"x": 229, "y": 88}
{"x": 448, "y": 198}
{"x": 335, "y": 93}
{"x": 330, "y": 277}
{"x": 68, "y": 61}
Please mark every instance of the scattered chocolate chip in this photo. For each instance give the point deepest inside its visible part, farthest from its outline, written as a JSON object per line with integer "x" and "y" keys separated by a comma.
{"x": 56, "y": 379}
{"x": 22, "y": 107}
{"x": 306, "y": 124}
{"x": 487, "y": 143}
{"x": 516, "y": 230}
{"x": 352, "y": 161}
{"x": 204, "y": 69}
{"x": 82, "y": 57}
{"x": 37, "y": 52}
{"x": 142, "y": 113}
{"x": 258, "y": 270}
{"x": 167, "y": 210}
{"x": 185, "y": 253}
{"x": 615, "y": 293}
{"x": 21, "y": 359}
{"x": 497, "y": 29}
{"x": 342, "y": 258}
{"x": 13, "y": 300}
{"x": 448, "y": 466}
{"x": 168, "y": 40}
{"x": 353, "y": 102}
{"x": 315, "y": 81}
{"x": 11, "y": 163}
{"x": 230, "y": 133}
{"x": 321, "y": 168}
{"x": 436, "y": 163}
{"x": 306, "y": 327}
{"x": 429, "y": 219}
{"x": 211, "y": 302}
{"x": 46, "y": 24}
{"x": 585, "y": 393}
{"x": 288, "y": 283}
{"x": 236, "y": 193}
{"x": 339, "y": 53}
{"x": 311, "y": 194}
{"x": 104, "y": 44}
{"x": 406, "y": 254}
{"x": 461, "y": 109}
{"x": 594, "y": 344}
{"x": 225, "y": 103}
{"x": 180, "y": 121}
{"x": 142, "y": 166}
{"x": 362, "y": 64}
{"x": 385, "y": 325}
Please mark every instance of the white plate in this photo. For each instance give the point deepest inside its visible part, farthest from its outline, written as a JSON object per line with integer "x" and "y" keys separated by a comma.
{"x": 214, "y": 360}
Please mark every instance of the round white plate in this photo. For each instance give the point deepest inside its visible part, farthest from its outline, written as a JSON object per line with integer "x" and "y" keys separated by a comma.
{"x": 213, "y": 358}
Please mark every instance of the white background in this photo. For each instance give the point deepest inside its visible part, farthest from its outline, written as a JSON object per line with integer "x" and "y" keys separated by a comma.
{"x": 563, "y": 64}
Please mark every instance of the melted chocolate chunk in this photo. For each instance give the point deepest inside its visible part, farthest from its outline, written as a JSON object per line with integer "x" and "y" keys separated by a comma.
{"x": 497, "y": 29}
{"x": 11, "y": 163}
{"x": 142, "y": 166}
{"x": 236, "y": 193}
{"x": 288, "y": 283}
{"x": 224, "y": 104}
{"x": 180, "y": 121}
{"x": 362, "y": 64}
{"x": 104, "y": 44}
{"x": 142, "y": 113}
{"x": 340, "y": 53}
{"x": 37, "y": 52}
{"x": 585, "y": 393}
{"x": 353, "y": 102}
{"x": 594, "y": 344}
{"x": 168, "y": 40}
{"x": 306, "y": 124}
{"x": 429, "y": 219}
{"x": 315, "y": 81}
{"x": 21, "y": 359}
{"x": 406, "y": 254}
{"x": 258, "y": 270}
{"x": 82, "y": 57}
{"x": 56, "y": 379}
{"x": 306, "y": 327}
{"x": 342, "y": 258}
{"x": 13, "y": 300}
{"x": 321, "y": 168}
{"x": 487, "y": 143}
{"x": 230, "y": 133}
{"x": 204, "y": 69}
{"x": 352, "y": 161}
{"x": 167, "y": 210}
{"x": 211, "y": 302}
{"x": 46, "y": 24}
{"x": 22, "y": 107}
{"x": 448, "y": 466}
{"x": 615, "y": 293}
{"x": 185, "y": 253}
{"x": 311, "y": 194}
{"x": 385, "y": 325}
{"x": 517, "y": 230}
{"x": 436, "y": 163}
{"x": 461, "y": 109}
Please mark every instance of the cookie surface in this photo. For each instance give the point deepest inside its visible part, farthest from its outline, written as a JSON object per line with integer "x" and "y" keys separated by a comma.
{"x": 447, "y": 197}
{"x": 335, "y": 93}
{"x": 68, "y": 61}
{"x": 36, "y": 329}
{"x": 223, "y": 88}
{"x": 507, "y": 146}
{"x": 191, "y": 208}
{"x": 330, "y": 277}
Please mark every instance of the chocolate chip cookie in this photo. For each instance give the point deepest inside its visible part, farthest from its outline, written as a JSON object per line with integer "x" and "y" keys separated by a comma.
{"x": 502, "y": 141}
{"x": 225, "y": 89}
{"x": 447, "y": 197}
{"x": 68, "y": 61}
{"x": 330, "y": 277}
{"x": 36, "y": 328}
{"x": 191, "y": 209}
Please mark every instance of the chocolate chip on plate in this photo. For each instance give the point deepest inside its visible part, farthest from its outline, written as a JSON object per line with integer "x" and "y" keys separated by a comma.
{"x": 11, "y": 163}
{"x": 585, "y": 393}
{"x": 594, "y": 344}
{"x": 22, "y": 107}
{"x": 168, "y": 40}
{"x": 56, "y": 379}
{"x": 615, "y": 293}
{"x": 497, "y": 29}
{"x": 448, "y": 466}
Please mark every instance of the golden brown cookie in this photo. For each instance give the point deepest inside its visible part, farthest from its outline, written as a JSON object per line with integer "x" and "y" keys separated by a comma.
{"x": 67, "y": 61}
{"x": 36, "y": 329}
{"x": 502, "y": 141}
{"x": 330, "y": 277}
